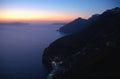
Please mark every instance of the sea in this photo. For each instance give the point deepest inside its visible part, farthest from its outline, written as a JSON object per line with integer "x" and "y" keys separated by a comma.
{"x": 22, "y": 47}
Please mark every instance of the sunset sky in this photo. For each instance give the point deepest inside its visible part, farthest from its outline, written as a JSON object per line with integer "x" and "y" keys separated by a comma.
{"x": 52, "y": 10}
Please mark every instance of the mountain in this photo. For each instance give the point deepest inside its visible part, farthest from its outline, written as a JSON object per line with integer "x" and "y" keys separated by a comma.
{"x": 73, "y": 26}
{"x": 91, "y": 53}
{"x": 77, "y": 25}
{"x": 13, "y": 23}
{"x": 93, "y": 18}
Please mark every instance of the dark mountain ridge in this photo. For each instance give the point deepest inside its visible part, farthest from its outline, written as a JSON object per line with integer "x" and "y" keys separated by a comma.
{"x": 90, "y": 53}
{"x": 78, "y": 24}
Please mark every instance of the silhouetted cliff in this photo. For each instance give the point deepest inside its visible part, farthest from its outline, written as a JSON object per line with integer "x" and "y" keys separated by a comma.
{"x": 91, "y": 53}
{"x": 78, "y": 24}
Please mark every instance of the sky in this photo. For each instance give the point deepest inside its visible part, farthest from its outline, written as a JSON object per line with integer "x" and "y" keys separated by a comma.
{"x": 52, "y": 10}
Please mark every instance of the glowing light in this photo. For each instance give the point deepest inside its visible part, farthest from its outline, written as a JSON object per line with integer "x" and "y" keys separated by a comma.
{"x": 25, "y": 15}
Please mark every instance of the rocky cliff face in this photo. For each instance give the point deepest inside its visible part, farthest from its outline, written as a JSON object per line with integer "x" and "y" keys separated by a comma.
{"x": 91, "y": 53}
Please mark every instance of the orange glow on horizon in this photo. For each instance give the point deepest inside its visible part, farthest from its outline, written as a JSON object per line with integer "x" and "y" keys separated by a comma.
{"x": 49, "y": 19}
{"x": 32, "y": 16}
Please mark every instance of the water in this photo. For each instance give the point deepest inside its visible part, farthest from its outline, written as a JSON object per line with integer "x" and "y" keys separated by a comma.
{"x": 21, "y": 49}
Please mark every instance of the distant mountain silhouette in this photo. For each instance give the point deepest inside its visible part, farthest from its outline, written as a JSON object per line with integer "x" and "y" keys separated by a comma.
{"x": 13, "y": 23}
{"x": 77, "y": 25}
{"x": 61, "y": 23}
{"x": 91, "y": 53}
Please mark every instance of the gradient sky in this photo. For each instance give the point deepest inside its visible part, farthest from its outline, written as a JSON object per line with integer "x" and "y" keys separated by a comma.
{"x": 52, "y": 10}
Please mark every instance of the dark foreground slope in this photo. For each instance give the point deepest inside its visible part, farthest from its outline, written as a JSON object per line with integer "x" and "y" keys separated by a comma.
{"x": 91, "y": 53}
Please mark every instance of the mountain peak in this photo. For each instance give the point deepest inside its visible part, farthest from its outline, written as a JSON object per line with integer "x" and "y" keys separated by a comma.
{"x": 79, "y": 18}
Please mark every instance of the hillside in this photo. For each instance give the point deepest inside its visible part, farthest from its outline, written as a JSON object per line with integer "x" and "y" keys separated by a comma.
{"x": 90, "y": 53}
